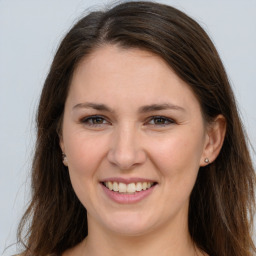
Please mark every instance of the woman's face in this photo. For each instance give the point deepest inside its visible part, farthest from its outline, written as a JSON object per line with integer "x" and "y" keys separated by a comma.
{"x": 134, "y": 138}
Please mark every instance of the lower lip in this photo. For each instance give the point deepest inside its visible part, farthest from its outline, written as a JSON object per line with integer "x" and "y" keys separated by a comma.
{"x": 127, "y": 198}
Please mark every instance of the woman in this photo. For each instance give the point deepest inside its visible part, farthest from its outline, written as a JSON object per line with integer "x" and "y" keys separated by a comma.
{"x": 140, "y": 149}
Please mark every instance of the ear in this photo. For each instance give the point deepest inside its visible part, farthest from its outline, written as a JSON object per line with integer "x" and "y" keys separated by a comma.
{"x": 59, "y": 132}
{"x": 216, "y": 131}
{"x": 61, "y": 143}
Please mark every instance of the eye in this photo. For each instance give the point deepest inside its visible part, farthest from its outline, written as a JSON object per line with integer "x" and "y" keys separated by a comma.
{"x": 160, "y": 121}
{"x": 94, "y": 121}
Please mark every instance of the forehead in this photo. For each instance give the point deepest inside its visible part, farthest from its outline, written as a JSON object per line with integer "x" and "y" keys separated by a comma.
{"x": 109, "y": 59}
{"x": 132, "y": 75}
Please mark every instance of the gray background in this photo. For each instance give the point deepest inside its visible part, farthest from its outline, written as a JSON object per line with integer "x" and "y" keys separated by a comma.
{"x": 29, "y": 34}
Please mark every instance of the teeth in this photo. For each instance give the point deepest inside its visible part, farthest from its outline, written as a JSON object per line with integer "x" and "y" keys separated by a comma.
{"x": 128, "y": 188}
{"x": 115, "y": 186}
{"x": 122, "y": 187}
{"x": 131, "y": 188}
{"x": 110, "y": 185}
{"x": 139, "y": 186}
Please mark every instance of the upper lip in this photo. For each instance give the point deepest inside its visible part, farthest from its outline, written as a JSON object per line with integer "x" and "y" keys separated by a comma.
{"x": 127, "y": 180}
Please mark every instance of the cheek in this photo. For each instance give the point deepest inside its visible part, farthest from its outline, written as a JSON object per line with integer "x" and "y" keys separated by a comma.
{"x": 84, "y": 156}
{"x": 84, "y": 153}
{"x": 177, "y": 160}
{"x": 178, "y": 153}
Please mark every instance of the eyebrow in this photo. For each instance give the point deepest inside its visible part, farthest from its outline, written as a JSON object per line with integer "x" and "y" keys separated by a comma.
{"x": 142, "y": 109}
{"x": 157, "y": 107}
{"x": 100, "y": 107}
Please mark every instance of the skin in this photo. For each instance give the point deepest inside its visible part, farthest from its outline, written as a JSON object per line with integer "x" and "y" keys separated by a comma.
{"x": 126, "y": 142}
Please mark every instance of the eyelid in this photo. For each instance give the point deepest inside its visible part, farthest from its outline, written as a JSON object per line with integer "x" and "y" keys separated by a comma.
{"x": 169, "y": 120}
{"x": 85, "y": 120}
{"x": 88, "y": 121}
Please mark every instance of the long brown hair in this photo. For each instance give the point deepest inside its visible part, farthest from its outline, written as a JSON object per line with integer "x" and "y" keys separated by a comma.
{"x": 222, "y": 202}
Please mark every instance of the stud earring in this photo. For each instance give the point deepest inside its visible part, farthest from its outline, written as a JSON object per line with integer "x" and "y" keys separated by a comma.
{"x": 64, "y": 159}
{"x": 206, "y": 160}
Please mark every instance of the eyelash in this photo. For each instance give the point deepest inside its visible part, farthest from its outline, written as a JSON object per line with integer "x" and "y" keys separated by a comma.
{"x": 91, "y": 119}
{"x": 166, "y": 121}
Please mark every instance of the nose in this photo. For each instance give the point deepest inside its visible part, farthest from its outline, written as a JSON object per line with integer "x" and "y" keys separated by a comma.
{"x": 126, "y": 150}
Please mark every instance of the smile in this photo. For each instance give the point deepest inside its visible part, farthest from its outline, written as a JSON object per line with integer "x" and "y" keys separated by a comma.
{"x": 129, "y": 188}
{"x": 128, "y": 191}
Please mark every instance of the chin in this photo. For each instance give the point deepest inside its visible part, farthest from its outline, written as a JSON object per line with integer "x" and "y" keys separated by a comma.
{"x": 132, "y": 224}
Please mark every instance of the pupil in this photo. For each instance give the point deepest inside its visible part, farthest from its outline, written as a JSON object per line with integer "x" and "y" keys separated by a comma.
{"x": 98, "y": 120}
{"x": 160, "y": 121}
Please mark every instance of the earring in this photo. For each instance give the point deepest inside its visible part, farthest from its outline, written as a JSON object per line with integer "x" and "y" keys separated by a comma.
{"x": 206, "y": 160}
{"x": 64, "y": 159}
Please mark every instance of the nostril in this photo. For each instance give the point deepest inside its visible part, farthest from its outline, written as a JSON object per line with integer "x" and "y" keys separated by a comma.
{"x": 127, "y": 158}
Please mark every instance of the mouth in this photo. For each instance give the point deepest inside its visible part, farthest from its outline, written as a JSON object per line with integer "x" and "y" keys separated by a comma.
{"x": 130, "y": 188}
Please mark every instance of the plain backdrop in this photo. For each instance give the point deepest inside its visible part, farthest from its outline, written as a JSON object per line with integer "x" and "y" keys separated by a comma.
{"x": 30, "y": 32}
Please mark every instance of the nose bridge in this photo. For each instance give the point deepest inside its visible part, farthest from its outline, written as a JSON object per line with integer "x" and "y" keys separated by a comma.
{"x": 126, "y": 149}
